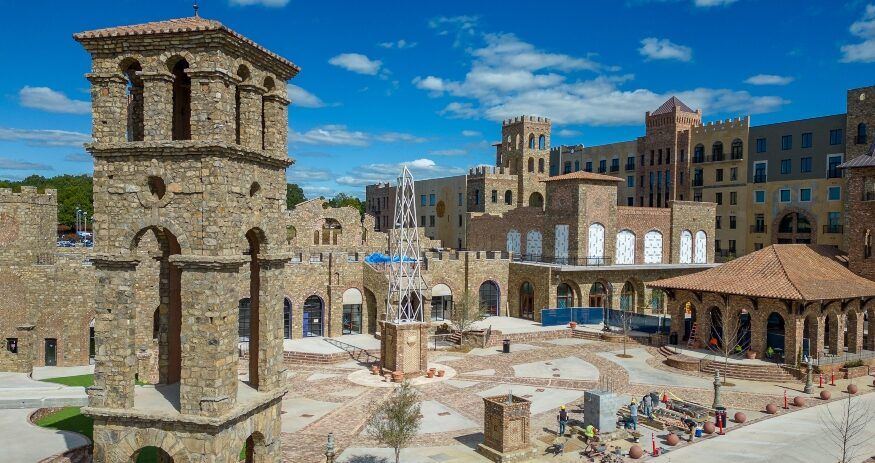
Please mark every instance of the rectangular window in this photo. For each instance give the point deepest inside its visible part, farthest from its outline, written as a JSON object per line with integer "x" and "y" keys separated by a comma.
{"x": 12, "y": 345}
{"x": 717, "y": 246}
{"x": 630, "y": 163}
{"x": 422, "y": 200}
{"x": 785, "y": 195}
{"x": 832, "y": 166}
{"x": 761, "y": 145}
{"x": 697, "y": 197}
{"x": 630, "y": 181}
{"x": 422, "y": 221}
{"x": 460, "y": 199}
{"x": 719, "y": 174}
{"x": 683, "y": 156}
{"x": 733, "y": 174}
{"x": 615, "y": 164}
{"x": 588, "y": 166}
{"x": 759, "y": 196}
{"x": 717, "y": 222}
{"x": 651, "y": 180}
{"x": 630, "y": 201}
{"x": 732, "y": 222}
{"x": 835, "y": 193}
{"x": 805, "y": 194}
{"x": 806, "y": 140}
{"x": 576, "y": 166}
{"x": 431, "y": 221}
{"x": 835, "y": 137}
{"x": 733, "y": 198}
{"x": 681, "y": 178}
{"x": 718, "y": 198}
{"x": 476, "y": 197}
{"x": 494, "y": 196}
{"x": 567, "y": 167}
{"x": 805, "y": 165}
{"x": 732, "y": 246}
{"x": 603, "y": 166}
{"x": 785, "y": 166}
{"x": 759, "y": 172}
{"x": 431, "y": 200}
{"x": 759, "y": 225}
{"x": 786, "y": 142}
{"x": 652, "y": 156}
{"x": 834, "y": 218}
{"x": 460, "y": 220}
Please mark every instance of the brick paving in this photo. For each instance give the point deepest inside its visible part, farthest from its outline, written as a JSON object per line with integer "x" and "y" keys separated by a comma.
{"x": 348, "y": 420}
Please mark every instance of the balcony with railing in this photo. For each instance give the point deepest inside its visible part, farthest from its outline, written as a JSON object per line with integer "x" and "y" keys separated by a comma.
{"x": 698, "y": 158}
{"x": 698, "y": 181}
{"x": 758, "y": 228}
{"x": 591, "y": 261}
{"x": 833, "y": 228}
{"x": 760, "y": 178}
{"x": 602, "y": 170}
{"x": 834, "y": 172}
{"x": 615, "y": 167}
{"x": 630, "y": 166}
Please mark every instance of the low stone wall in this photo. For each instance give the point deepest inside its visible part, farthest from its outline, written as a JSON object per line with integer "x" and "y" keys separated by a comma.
{"x": 498, "y": 337}
{"x": 682, "y": 362}
{"x": 78, "y": 455}
{"x": 308, "y": 358}
{"x": 846, "y": 373}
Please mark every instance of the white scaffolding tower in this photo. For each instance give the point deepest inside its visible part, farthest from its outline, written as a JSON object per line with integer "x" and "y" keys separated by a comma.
{"x": 404, "y": 301}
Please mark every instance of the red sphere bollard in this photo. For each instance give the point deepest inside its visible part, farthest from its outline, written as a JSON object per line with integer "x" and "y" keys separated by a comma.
{"x": 740, "y": 417}
{"x": 636, "y": 452}
{"x": 852, "y": 389}
{"x": 672, "y": 439}
{"x": 771, "y": 409}
{"x": 799, "y": 401}
{"x": 708, "y": 428}
{"x": 825, "y": 395}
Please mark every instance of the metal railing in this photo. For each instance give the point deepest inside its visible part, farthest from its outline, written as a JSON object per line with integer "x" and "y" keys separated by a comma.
{"x": 354, "y": 352}
{"x": 834, "y": 172}
{"x": 825, "y": 358}
{"x": 758, "y": 228}
{"x": 630, "y": 166}
{"x": 833, "y": 228}
{"x": 759, "y": 178}
{"x": 588, "y": 261}
{"x": 615, "y": 168}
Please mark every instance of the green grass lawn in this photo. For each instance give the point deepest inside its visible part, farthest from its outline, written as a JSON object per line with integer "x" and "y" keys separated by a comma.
{"x": 68, "y": 419}
{"x": 81, "y": 380}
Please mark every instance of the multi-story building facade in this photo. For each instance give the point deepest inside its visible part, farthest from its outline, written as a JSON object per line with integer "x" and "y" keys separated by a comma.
{"x": 617, "y": 159}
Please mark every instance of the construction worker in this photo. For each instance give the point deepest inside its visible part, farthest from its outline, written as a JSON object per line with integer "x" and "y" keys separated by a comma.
{"x": 590, "y": 437}
{"x": 648, "y": 406}
{"x": 633, "y": 414}
{"x": 563, "y": 420}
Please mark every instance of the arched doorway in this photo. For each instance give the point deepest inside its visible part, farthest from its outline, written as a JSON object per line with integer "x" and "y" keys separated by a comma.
{"x": 627, "y": 297}
{"x": 564, "y": 296}
{"x": 352, "y": 312}
{"x": 715, "y": 336}
{"x": 490, "y": 298}
{"x": 775, "y": 333}
{"x": 743, "y": 336}
{"x": 287, "y": 318}
{"x": 810, "y": 340}
{"x": 255, "y": 239}
{"x": 794, "y": 227}
{"x": 527, "y": 301}
{"x": 690, "y": 316}
{"x": 151, "y": 455}
{"x": 371, "y": 304}
{"x": 441, "y": 302}
{"x": 536, "y": 200}
{"x": 313, "y": 308}
{"x": 598, "y": 295}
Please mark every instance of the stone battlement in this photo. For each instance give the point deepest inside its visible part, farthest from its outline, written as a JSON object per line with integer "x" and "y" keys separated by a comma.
{"x": 29, "y": 195}
{"x": 472, "y": 255}
{"x": 488, "y": 171}
{"x": 718, "y": 125}
{"x": 518, "y": 119}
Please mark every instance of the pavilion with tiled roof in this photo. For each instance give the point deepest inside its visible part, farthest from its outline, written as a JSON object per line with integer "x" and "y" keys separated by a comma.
{"x": 783, "y": 293}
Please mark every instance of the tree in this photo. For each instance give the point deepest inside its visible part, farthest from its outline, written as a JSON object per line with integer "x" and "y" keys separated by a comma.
{"x": 727, "y": 340}
{"x": 294, "y": 195}
{"x": 74, "y": 191}
{"x": 465, "y": 313}
{"x": 396, "y": 421}
{"x": 626, "y": 316}
{"x": 344, "y": 200}
{"x": 846, "y": 427}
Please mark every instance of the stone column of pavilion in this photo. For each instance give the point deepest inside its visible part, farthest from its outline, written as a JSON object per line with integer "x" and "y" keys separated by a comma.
{"x": 189, "y": 144}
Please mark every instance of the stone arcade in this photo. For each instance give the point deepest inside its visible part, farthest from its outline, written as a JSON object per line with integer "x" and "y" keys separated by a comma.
{"x": 196, "y": 156}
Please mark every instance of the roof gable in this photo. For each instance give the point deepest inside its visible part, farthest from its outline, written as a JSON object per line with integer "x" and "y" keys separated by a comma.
{"x": 670, "y": 104}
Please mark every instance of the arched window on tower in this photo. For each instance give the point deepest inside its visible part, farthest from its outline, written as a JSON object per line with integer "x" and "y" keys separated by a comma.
{"x": 268, "y": 85}
{"x": 861, "y": 134}
{"x": 542, "y": 142}
{"x": 135, "y": 121}
{"x": 531, "y": 164}
{"x": 508, "y": 197}
{"x": 181, "y": 101}
{"x": 243, "y": 75}
{"x": 737, "y": 149}
{"x": 541, "y": 166}
{"x": 531, "y": 141}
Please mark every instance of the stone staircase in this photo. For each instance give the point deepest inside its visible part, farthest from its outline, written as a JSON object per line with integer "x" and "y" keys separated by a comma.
{"x": 752, "y": 372}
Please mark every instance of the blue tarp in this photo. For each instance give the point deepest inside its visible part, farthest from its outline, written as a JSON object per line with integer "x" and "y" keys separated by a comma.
{"x": 595, "y": 315}
{"x": 377, "y": 258}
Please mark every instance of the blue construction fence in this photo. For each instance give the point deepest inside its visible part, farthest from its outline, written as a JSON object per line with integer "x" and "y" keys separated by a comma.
{"x": 651, "y": 324}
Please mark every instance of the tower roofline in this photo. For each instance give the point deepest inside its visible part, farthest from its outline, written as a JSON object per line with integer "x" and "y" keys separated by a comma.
{"x": 524, "y": 118}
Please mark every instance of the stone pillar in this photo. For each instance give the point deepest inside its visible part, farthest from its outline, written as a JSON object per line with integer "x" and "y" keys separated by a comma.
{"x": 758, "y": 322}
{"x": 276, "y": 125}
{"x": 836, "y": 341}
{"x": 250, "y": 115}
{"x": 815, "y": 341}
{"x": 675, "y": 310}
{"x": 270, "y": 321}
{"x": 157, "y": 106}
{"x": 506, "y": 429}
{"x": 793, "y": 331}
{"x": 404, "y": 347}
{"x": 109, "y": 107}
{"x": 855, "y": 329}
{"x": 870, "y": 338}
{"x": 114, "y": 333}
{"x": 213, "y": 106}
{"x": 208, "y": 384}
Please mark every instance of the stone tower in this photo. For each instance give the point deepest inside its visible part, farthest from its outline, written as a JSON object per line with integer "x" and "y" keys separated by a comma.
{"x": 189, "y": 144}
{"x": 526, "y": 154}
{"x": 663, "y": 154}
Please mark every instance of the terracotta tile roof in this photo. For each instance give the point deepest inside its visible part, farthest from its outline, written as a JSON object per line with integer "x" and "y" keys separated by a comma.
{"x": 670, "y": 104}
{"x": 799, "y": 272}
{"x": 177, "y": 25}
{"x": 583, "y": 175}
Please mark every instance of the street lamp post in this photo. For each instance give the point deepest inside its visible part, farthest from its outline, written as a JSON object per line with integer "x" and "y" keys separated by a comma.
{"x": 329, "y": 448}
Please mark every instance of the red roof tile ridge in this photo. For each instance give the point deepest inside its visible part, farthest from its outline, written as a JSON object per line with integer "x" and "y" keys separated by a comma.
{"x": 784, "y": 271}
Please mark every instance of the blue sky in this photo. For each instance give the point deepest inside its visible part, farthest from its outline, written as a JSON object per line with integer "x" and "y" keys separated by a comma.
{"x": 427, "y": 83}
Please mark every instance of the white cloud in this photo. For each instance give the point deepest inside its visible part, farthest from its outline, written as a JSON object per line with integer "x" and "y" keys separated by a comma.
{"x": 303, "y": 98}
{"x": 456, "y": 110}
{"x": 471, "y": 133}
{"x": 14, "y": 164}
{"x": 399, "y": 44}
{"x": 53, "y": 101}
{"x": 430, "y": 83}
{"x": 710, "y": 3}
{"x": 45, "y": 137}
{"x": 863, "y": 52}
{"x": 768, "y": 79}
{"x": 568, "y": 133}
{"x": 654, "y": 48}
{"x": 338, "y": 134}
{"x": 356, "y": 62}
{"x": 267, "y": 3}
{"x": 462, "y": 27}
{"x": 448, "y": 152}
{"x": 375, "y": 173}
{"x": 78, "y": 157}
{"x": 308, "y": 174}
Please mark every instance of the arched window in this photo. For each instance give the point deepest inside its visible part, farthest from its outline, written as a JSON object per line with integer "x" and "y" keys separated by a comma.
{"x": 531, "y": 164}
{"x": 542, "y": 142}
{"x": 518, "y": 140}
{"x": 135, "y": 121}
{"x": 627, "y": 297}
{"x": 527, "y": 301}
{"x": 625, "y": 247}
{"x": 653, "y": 247}
{"x": 701, "y": 247}
{"x": 268, "y": 86}
{"x": 513, "y": 242}
{"x": 508, "y": 197}
{"x": 156, "y": 324}
{"x": 686, "y": 251}
{"x": 541, "y": 166}
{"x": 533, "y": 245}
{"x": 536, "y": 200}
{"x": 181, "y": 101}
{"x": 775, "y": 331}
{"x": 867, "y": 245}
{"x": 441, "y": 302}
{"x": 313, "y": 322}
{"x": 564, "y": 296}
{"x": 531, "y": 141}
{"x": 737, "y": 149}
{"x": 717, "y": 151}
{"x": 598, "y": 295}
{"x": 331, "y": 231}
{"x": 596, "y": 244}
{"x": 352, "y": 311}
{"x": 243, "y": 75}
{"x": 243, "y": 314}
{"x": 861, "y": 134}
{"x": 287, "y": 318}
{"x": 489, "y": 298}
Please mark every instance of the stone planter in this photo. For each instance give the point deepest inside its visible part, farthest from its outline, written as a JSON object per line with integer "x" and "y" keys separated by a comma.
{"x": 741, "y": 417}
{"x": 852, "y": 389}
{"x": 750, "y": 354}
{"x": 855, "y": 372}
{"x": 825, "y": 395}
{"x": 771, "y": 409}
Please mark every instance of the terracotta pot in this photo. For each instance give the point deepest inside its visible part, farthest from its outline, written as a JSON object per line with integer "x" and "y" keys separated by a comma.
{"x": 799, "y": 401}
{"x": 440, "y": 373}
{"x": 429, "y": 374}
{"x": 375, "y": 370}
{"x": 740, "y": 417}
{"x": 635, "y": 452}
{"x": 388, "y": 377}
{"x": 825, "y": 395}
{"x": 852, "y": 389}
{"x": 572, "y": 325}
{"x": 751, "y": 354}
{"x": 771, "y": 409}
{"x": 397, "y": 376}
{"x": 672, "y": 439}
{"x": 709, "y": 428}
{"x": 432, "y": 369}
